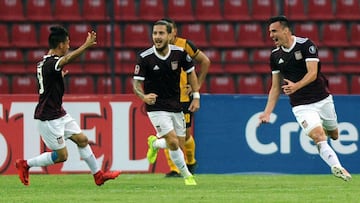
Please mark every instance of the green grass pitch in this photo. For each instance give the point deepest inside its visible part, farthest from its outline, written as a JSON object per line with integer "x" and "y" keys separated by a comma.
{"x": 139, "y": 188}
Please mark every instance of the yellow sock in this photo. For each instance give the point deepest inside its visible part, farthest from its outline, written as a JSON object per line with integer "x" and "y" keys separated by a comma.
{"x": 190, "y": 151}
{"x": 170, "y": 163}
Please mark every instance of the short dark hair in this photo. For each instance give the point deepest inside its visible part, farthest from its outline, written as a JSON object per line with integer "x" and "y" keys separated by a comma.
{"x": 163, "y": 22}
{"x": 171, "y": 21}
{"x": 57, "y": 35}
{"x": 282, "y": 19}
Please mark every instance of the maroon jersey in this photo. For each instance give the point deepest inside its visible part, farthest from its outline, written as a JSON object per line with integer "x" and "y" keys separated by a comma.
{"x": 291, "y": 63}
{"x": 51, "y": 89}
{"x": 161, "y": 75}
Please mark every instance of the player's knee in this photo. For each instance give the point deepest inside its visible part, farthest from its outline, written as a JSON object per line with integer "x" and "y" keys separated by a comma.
{"x": 59, "y": 156}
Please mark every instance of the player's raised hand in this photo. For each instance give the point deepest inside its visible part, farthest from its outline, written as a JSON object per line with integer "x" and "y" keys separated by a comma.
{"x": 91, "y": 39}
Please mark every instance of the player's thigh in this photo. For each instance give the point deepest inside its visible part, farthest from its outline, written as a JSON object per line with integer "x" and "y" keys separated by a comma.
{"x": 307, "y": 116}
{"x": 328, "y": 114}
{"x": 161, "y": 121}
{"x": 179, "y": 124}
{"x": 52, "y": 133}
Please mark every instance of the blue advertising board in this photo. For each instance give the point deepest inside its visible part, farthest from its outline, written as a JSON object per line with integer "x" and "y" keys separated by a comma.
{"x": 229, "y": 140}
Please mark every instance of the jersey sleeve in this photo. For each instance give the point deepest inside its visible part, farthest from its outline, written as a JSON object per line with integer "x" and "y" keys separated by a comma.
{"x": 187, "y": 63}
{"x": 191, "y": 49}
{"x": 140, "y": 70}
{"x": 310, "y": 51}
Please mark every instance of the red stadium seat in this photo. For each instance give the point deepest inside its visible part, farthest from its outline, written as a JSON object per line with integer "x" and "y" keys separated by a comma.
{"x": 250, "y": 35}
{"x": 355, "y": 34}
{"x": 347, "y": 10}
{"x": 94, "y": 10}
{"x": 252, "y": 84}
{"x": 320, "y": 10}
{"x": 104, "y": 85}
{"x": 103, "y": 36}
{"x": 204, "y": 87}
{"x": 128, "y": 87}
{"x": 348, "y": 60}
{"x": 75, "y": 68}
{"x": 35, "y": 55}
{"x": 125, "y": 10}
{"x": 13, "y": 68}
{"x": 237, "y": 61}
{"x": 236, "y": 10}
{"x": 208, "y": 10}
{"x": 67, "y": 10}
{"x": 180, "y": 10}
{"x": 196, "y": 32}
{"x": 355, "y": 84}
{"x": 78, "y": 34}
{"x": 11, "y": 55}
{"x": 222, "y": 35}
{"x": 81, "y": 85}
{"x": 335, "y": 34}
{"x": 213, "y": 54}
{"x": 125, "y": 61}
{"x": 261, "y": 9}
{"x": 308, "y": 30}
{"x": 4, "y": 85}
{"x": 4, "y": 37}
{"x": 326, "y": 57}
{"x": 24, "y": 35}
{"x": 137, "y": 36}
{"x": 97, "y": 68}
{"x": 24, "y": 84}
{"x": 222, "y": 85}
{"x": 11, "y": 10}
{"x": 44, "y": 35}
{"x": 39, "y": 10}
{"x": 96, "y": 55}
{"x": 338, "y": 84}
{"x": 295, "y": 9}
{"x": 151, "y": 10}
{"x": 260, "y": 60}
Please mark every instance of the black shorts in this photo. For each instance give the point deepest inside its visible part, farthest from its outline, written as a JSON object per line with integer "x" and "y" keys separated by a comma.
{"x": 187, "y": 114}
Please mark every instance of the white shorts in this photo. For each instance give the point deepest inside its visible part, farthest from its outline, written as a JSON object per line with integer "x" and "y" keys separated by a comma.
{"x": 55, "y": 132}
{"x": 321, "y": 113}
{"x": 164, "y": 122}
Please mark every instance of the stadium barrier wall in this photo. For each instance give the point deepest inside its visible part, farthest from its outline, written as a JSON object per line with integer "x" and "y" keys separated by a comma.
{"x": 228, "y": 139}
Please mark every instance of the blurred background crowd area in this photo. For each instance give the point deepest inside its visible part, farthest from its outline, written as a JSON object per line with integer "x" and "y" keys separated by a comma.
{"x": 232, "y": 33}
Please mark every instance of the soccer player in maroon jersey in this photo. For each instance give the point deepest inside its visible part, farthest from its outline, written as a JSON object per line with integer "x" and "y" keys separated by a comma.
{"x": 295, "y": 59}
{"x": 156, "y": 82}
{"x": 54, "y": 124}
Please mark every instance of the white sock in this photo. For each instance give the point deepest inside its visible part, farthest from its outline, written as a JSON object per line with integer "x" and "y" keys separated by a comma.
{"x": 160, "y": 143}
{"x": 88, "y": 156}
{"x": 43, "y": 159}
{"x": 328, "y": 154}
{"x": 177, "y": 157}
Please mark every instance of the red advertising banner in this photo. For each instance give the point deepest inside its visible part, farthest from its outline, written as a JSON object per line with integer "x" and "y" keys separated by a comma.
{"x": 117, "y": 127}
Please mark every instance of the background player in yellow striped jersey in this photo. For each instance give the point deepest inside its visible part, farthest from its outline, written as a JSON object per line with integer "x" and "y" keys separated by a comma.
{"x": 185, "y": 98}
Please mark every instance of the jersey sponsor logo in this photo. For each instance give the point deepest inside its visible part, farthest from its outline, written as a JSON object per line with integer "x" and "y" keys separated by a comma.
{"x": 298, "y": 55}
{"x": 174, "y": 65}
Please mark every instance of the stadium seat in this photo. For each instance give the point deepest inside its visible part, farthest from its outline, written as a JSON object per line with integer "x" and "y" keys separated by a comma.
{"x": 24, "y": 84}
{"x": 180, "y": 10}
{"x": 11, "y": 56}
{"x": 236, "y": 61}
{"x": 11, "y": 10}
{"x": 326, "y": 56}
{"x": 347, "y": 10}
{"x": 295, "y": 9}
{"x": 236, "y": 10}
{"x": 44, "y": 32}
{"x": 104, "y": 85}
{"x": 13, "y": 68}
{"x": 24, "y": 35}
{"x": 338, "y": 84}
{"x": 96, "y": 55}
{"x": 222, "y": 35}
{"x": 216, "y": 62}
{"x": 67, "y": 10}
{"x": 355, "y": 84}
{"x": 204, "y": 87}
{"x": 151, "y": 10}
{"x": 260, "y": 60}
{"x": 81, "y": 85}
{"x": 75, "y": 68}
{"x": 103, "y": 36}
{"x": 250, "y": 35}
{"x": 97, "y": 68}
{"x": 222, "y": 85}
{"x": 94, "y": 10}
{"x": 252, "y": 84}
{"x": 4, "y": 37}
{"x": 348, "y": 60}
{"x": 196, "y": 32}
{"x": 78, "y": 34}
{"x": 308, "y": 30}
{"x": 261, "y": 9}
{"x": 4, "y": 85}
{"x": 39, "y": 10}
{"x": 125, "y": 10}
{"x": 137, "y": 36}
{"x": 35, "y": 55}
{"x": 320, "y": 10}
{"x": 335, "y": 35}
{"x": 208, "y": 10}
{"x": 125, "y": 61}
{"x": 355, "y": 34}
{"x": 128, "y": 87}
